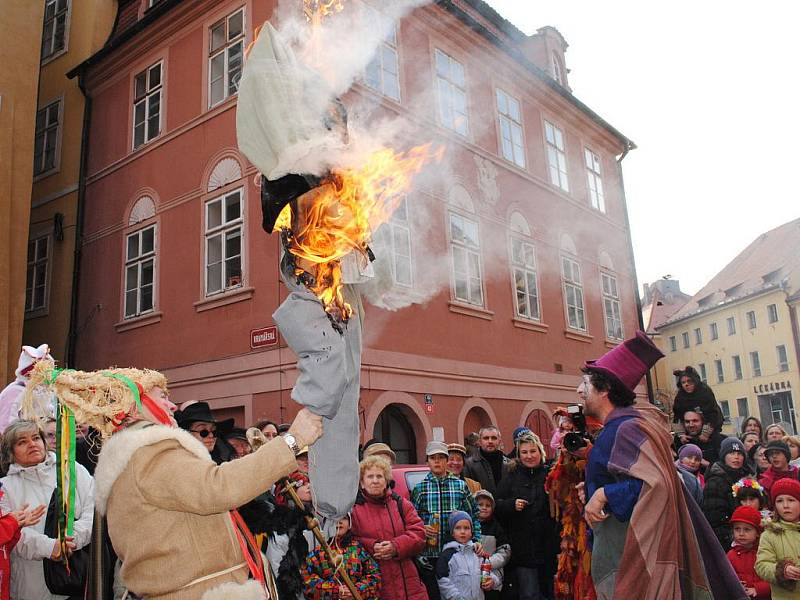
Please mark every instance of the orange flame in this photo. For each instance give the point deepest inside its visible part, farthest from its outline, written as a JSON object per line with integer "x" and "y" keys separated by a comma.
{"x": 315, "y": 9}
{"x": 339, "y": 217}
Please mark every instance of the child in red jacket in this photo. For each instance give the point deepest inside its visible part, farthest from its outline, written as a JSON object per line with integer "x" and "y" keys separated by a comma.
{"x": 746, "y": 522}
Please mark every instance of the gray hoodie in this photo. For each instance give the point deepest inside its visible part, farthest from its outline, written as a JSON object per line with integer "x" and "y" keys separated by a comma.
{"x": 458, "y": 572}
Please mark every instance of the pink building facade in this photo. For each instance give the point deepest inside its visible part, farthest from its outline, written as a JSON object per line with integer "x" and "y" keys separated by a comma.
{"x": 176, "y": 273}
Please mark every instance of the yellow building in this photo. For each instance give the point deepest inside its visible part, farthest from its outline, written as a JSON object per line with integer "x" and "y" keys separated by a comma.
{"x": 740, "y": 331}
{"x": 20, "y": 32}
{"x": 71, "y": 32}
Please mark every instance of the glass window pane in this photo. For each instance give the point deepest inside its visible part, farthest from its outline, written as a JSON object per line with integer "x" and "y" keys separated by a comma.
{"x": 41, "y": 248}
{"x": 146, "y": 298}
{"x": 217, "y": 36}
{"x": 233, "y": 243}
{"x": 213, "y": 214}
{"x": 31, "y": 251}
{"x": 372, "y": 74}
{"x": 457, "y": 73}
{"x": 214, "y": 250}
{"x": 502, "y": 105}
{"x": 131, "y": 277}
{"x": 233, "y": 271}
{"x": 235, "y": 25}
{"x": 461, "y": 289}
{"x": 133, "y": 246}
{"x": 475, "y": 292}
{"x": 403, "y": 271}
{"x": 153, "y": 120}
{"x": 147, "y": 273}
{"x": 130, "y": 302}
{"x": 442, "y": 64}
{"x": 155, "y": 77}
{"x": 513, "y": 110}
{"x": 214, "y": 278}
{"x": 232, "y": 207}
{"x": 140, "y": 85}
{"x": 148, "y": 240}
{"x": 234, "y": 67}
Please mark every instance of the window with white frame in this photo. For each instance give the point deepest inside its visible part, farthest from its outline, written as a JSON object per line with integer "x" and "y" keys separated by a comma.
{"x": 224, "y": 227}
{"x": 725, "y": 407}
{"x": 714, "y": 331}
{"x": 720, "y": 371}
{"x": 772, "y": 313}
{"x": 36, "y": 282}
{"x": 573, "y": 293}
{"x": 755, "y": 363}
{"x": 673, "y": 344}
{"x": 140, "y": 267}
{"x": 595, "y": 180}
{"x": 698, "y": 336}
{"x": 46, "y": 141}
{"x": 451, "y": 87}
{"x": 511, "y": 139}
{"x": 685, "y": 339}
{"x": 556, "y": 156}
{"x": 611, "y": 307}
{"x": 396, "y": 236}
{"x": 466, "y": 248}
{"x": 737, "y": 366}
{"x": 783, "y": 358}
{"x": 523, "y": 273}
{"x": 54, "y": 32}
{"x": 147, "y": 87}
{"x": 742, "y": 408}
{"x": 558, "y": 72}
{"x": 731, "y": 325}
{"x": 225, "y": 54}
{"x": 751, "y": 319}
{"x": 702, "y": 370}
{"x": 383, "y": 73}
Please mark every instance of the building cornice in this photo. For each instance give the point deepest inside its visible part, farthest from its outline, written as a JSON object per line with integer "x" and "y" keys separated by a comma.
{"x": 762, "y": 291}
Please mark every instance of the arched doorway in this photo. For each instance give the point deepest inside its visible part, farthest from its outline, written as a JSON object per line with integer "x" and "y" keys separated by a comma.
{"x": 539, "y": 422}
{"x": 475, "y": 419}
{"x": 392, "y": 428}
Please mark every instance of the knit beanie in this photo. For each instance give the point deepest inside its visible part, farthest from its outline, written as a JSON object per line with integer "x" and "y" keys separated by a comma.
{"x": 730, "y": 444}
{"x": 778, "y": 446}
{"x": 789, "y": 487}
{"x": 689, "y": 450}
{"x": 747, "y": 514}
{"x": 455, "y": 517}
{"x": 484, "y": 494}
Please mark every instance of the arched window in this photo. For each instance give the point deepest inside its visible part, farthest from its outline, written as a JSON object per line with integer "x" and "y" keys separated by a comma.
{"x": 393, "y": 428}
{"x": 465, "y": 248}
{"x": 523, "y": 268}
{"x": 139, "y": 270}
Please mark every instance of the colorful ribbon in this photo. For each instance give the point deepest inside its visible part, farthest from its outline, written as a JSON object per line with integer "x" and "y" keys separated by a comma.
{"x": 66, "y": 477}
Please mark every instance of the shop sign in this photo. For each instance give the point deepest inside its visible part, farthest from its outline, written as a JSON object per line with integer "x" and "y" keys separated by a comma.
{"x": 264, "y": 337}
{"x": 774, "y": 386}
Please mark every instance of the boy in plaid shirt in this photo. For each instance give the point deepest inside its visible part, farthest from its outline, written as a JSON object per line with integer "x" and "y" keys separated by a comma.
{"x": 435, "y": 497}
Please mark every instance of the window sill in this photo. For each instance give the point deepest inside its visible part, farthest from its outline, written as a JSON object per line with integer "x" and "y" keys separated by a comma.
{"x": 50, "y": 58}
{"x": 530, "y": 325}
{"x": 470, "y": 311}
{"x": 612, "y": 343}
{"x": 578, "y": 336}
{"x": 136, "y": 322}
{"x": 46, "y": 174}
{"x": 231, "y": 297}
{"x": 37, "y": 313}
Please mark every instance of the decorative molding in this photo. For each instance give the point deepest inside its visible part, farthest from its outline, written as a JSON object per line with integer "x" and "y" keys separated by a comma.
{"x": 519, "y": 224}
{"x": 224, "y": 172}
{"x": 470, "y": 311}
{"x": 136, "y": 322}
{"x": 144, "y": 208}
{"x": 459, "y": 197}
{"x": 578, "y": 337}
{"x": 238, "y": 295}
{"x": 530, "y": 325}
{"x": 487, "y": 179}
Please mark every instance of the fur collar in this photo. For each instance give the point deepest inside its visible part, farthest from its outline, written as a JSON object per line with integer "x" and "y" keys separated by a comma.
{"x": 117, "y": 453}
{"x": 250, "y": 590}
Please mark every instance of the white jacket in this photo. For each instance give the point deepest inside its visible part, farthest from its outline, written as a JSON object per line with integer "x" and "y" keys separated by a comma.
{"x": 34, "y": 486}
{"x": 458, "y": 572}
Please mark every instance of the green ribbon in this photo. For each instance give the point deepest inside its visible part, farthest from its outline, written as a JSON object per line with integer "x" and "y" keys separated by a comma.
{"x": 66, "y": 510}
{"x": 131, "y": 386}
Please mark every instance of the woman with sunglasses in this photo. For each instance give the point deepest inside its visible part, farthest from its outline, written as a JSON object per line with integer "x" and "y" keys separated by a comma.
{"x": 196, "y": 418}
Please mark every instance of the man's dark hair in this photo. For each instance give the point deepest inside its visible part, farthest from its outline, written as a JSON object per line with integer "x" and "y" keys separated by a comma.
{"x": 618, "y": 394}
{"x": 696, "y": 410}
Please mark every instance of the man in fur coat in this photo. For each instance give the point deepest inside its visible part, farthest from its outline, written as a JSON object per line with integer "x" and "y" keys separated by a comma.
{"x": 170, "y": 508}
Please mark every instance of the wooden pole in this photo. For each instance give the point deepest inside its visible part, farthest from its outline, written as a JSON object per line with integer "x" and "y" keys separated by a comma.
{"x": 313, "y": 525}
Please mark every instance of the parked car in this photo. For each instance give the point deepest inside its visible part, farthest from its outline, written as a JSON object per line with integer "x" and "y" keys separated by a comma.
{"x": 406, "y": 477}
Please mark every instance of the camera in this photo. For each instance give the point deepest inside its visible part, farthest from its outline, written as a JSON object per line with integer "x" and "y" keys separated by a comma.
{"x": 580, "y": 438}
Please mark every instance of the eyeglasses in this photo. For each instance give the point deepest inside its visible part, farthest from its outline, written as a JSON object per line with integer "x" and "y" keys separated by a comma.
{"x": 204, "y": 433}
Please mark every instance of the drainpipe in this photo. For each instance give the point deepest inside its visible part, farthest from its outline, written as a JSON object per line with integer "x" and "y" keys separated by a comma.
{"x": 79, "y": 217}
{"x": 628, "y": 147}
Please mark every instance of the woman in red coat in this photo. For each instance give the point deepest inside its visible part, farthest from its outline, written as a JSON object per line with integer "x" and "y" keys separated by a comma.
{"x": 391, "y": 531}
{"x": 11, "y": 525}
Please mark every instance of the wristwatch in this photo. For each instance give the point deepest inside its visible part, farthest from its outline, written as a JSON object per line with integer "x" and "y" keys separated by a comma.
{"x": 292, "y": 443}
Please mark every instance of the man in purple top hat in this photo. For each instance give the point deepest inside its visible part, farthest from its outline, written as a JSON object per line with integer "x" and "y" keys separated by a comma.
{"x": 648, "y": 541}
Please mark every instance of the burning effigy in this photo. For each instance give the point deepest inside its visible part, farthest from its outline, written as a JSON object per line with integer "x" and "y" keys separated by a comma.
{"x": 326, "y": 187}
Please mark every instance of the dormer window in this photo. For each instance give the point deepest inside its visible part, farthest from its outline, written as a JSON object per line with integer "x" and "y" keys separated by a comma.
{"x": 558, "y": 71}
{"x": 732, "y": 291}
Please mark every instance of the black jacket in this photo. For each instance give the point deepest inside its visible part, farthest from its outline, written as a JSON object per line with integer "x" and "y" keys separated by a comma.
{"x": 718, "y": 501}
{"x": 478, "y": 468}
{"x": 533, "y": 534}
{"x": 703, "y": 398}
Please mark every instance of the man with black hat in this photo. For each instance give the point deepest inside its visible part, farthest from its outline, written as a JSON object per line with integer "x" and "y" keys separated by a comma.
{"x": 649, "y": 542}
{"x": 196, "y": 418}
{"x": 778, "y": 455}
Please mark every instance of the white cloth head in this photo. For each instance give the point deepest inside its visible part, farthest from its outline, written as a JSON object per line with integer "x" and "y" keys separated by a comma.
{"x": 29, "y": 357}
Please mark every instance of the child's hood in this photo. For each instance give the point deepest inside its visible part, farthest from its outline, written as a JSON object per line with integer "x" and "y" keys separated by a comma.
{"x": 458, "y": 546}
{"x": 779, "y": 526}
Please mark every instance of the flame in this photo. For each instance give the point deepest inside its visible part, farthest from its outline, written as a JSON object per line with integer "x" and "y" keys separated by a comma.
{"x": 339, "y": 217}
{"x": 315, "y": 9}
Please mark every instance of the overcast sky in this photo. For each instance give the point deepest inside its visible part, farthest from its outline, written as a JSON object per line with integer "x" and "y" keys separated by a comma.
{"x": 709, "y": 93}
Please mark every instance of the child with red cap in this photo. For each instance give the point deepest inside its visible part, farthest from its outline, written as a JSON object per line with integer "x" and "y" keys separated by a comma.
{"x": 746, "y": 523}
{"x": 778, "y": 558}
